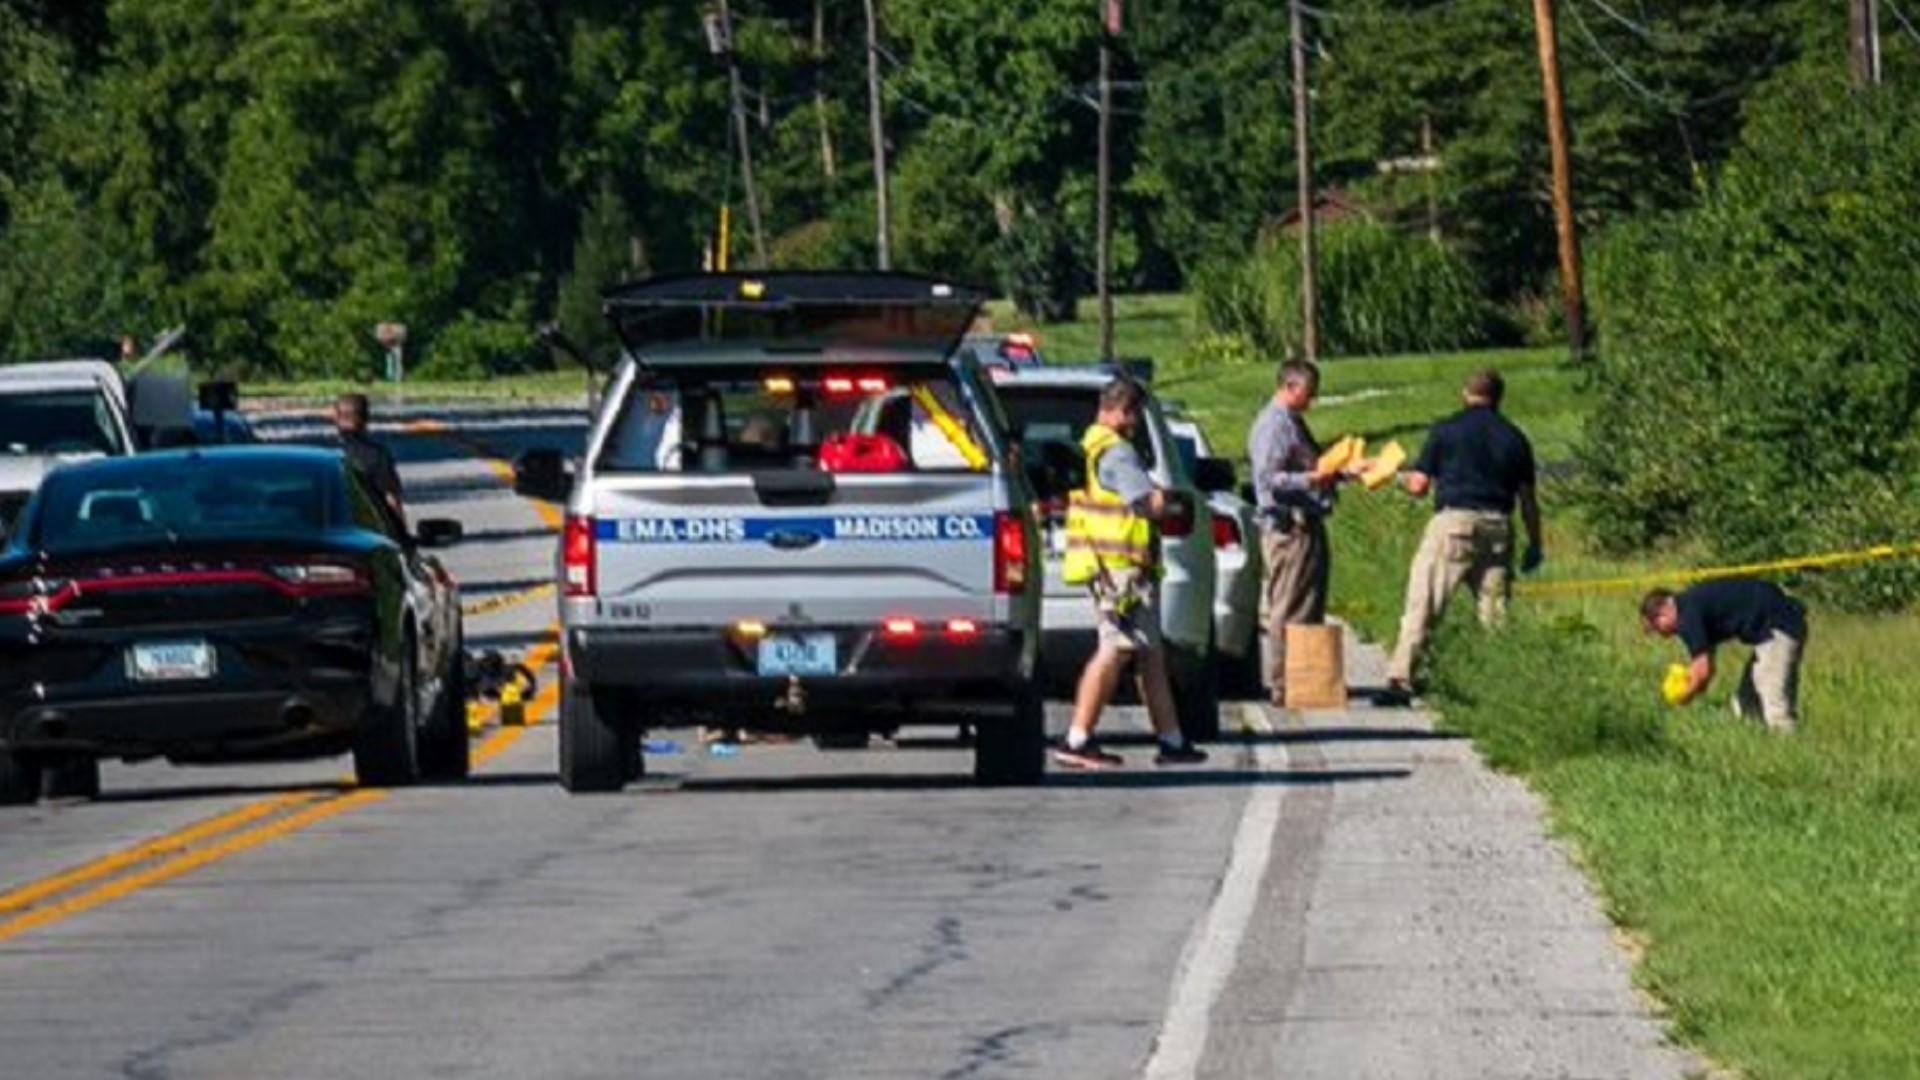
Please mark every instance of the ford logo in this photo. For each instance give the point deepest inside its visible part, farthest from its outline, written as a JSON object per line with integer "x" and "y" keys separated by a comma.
{"x": 793, "y": 539}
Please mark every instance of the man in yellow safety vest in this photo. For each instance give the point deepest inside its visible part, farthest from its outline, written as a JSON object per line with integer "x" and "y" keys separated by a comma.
{"x": 1112, "y": 549}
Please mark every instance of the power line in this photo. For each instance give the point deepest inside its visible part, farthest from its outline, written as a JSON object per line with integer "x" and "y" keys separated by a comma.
{"x": 1620, "y": 73}
{"x": 1900, "y": 17}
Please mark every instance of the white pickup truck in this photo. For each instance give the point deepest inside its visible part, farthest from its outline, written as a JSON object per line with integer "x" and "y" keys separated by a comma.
{"x": 52, "y": 412}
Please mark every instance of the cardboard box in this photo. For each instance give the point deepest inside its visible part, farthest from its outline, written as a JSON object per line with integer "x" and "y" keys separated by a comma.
{"x": 1316, "y": 676}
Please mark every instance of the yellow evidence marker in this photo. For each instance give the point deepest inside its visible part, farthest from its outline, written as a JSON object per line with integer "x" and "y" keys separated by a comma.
{"x": 1384, "y": 467}
{"x": 1674, "y": 687}
{"x": 1346, "y": 451}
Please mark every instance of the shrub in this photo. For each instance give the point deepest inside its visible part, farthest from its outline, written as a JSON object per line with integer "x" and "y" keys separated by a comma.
{"x": 1381, "y": 291}
{"x": 1041, "y": 268}
{"x": 1758, "y": 386}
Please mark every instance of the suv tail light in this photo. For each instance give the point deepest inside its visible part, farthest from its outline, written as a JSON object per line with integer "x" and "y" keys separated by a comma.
{"x": 1178, "y": 519}
{"x": 1009, "y": 553}
{"x": 1226, "y": 532}
{"x": 576, "y": 555}
{"x": 321, "y": 579}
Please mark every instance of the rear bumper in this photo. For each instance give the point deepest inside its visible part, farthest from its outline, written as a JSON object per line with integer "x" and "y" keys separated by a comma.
{"x": 706, "y": 667}
{"x": 206, "y": 724}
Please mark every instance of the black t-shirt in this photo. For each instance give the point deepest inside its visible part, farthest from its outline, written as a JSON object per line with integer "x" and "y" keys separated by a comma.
{"x": 375, "y": 462}
{"x": 1736, "y": 609}
{"x": 1478, "y": 461}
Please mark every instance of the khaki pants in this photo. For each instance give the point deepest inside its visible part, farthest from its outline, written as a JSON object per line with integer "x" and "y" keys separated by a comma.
{"x": 1469, "y": 547}
{"x": 1770, "y": 685}
{"x": 1298, "y": 567}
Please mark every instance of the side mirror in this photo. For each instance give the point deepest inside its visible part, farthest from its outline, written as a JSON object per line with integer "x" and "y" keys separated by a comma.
{"x": 438, "y": 532}
{"x": 1214, "y": 474}
{"x": 542, "y": 473}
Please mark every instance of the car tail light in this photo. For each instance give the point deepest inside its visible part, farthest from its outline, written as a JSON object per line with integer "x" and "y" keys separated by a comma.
{"x": 900, "y": 628}
{"x": 962, "y": 628}
{"x": 1226, "y": 532}
{"x": 1009, "y": 553}
{"x": 36, "y": 596}
{"x": 320, "y": 579}
{"x": 576, "y": 555}
{"x": 1177, "y": 521}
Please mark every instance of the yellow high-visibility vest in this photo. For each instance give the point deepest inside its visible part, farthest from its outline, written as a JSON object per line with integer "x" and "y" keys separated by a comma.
{"x": 1103, "y": 531}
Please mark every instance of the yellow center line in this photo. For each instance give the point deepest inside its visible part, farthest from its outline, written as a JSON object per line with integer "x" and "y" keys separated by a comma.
{"x": 185, "y": 863}
{"x": 171, "y": 843}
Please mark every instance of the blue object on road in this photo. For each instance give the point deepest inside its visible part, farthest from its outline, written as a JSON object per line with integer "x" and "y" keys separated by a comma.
{"x": 724, "y": 749}
{"x": 660, "y": 746}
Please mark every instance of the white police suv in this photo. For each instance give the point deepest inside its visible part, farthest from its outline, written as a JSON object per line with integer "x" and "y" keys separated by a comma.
{"x": 796, "y": 512}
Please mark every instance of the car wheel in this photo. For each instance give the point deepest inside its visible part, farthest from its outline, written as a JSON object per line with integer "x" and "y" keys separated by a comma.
{"x": 841, "y": 740}
{"x": 599, "y": 749}
{"x": 446, "y": 752}
{"x": 19, "y": 780}
{"x": 1011, "y": 751}
{"x": 386, "y": 750}
{"x": 72, "y": 778}
{"x": 1241, "y": 677}
{"x": 1196, "y": 693}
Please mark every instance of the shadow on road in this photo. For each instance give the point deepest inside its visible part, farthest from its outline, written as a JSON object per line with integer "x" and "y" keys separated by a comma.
{"x": 218, "y": 791}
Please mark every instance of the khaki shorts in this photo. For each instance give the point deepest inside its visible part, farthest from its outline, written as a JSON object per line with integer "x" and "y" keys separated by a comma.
{"x": 1129, "y": 616}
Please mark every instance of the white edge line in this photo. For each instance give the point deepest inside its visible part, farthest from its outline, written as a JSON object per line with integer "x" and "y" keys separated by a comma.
{"x": 1208, "y": 959}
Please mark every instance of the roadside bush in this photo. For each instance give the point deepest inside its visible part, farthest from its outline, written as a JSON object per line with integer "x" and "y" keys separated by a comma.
{"x": 1041, "y": 268}
{"x": 1381, "y": 291}
{"x": 1205, "y": 352}
{"x": 1758, "y": 386}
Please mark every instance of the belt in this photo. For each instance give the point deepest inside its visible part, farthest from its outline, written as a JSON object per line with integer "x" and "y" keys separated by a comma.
{"x": 1289, "y": 517}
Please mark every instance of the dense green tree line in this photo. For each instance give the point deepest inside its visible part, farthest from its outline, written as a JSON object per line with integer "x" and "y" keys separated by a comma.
{"x": 280, "y": 175}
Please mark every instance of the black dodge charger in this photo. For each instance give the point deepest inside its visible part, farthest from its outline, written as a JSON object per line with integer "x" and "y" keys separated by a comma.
{"x": 248, "y": 603}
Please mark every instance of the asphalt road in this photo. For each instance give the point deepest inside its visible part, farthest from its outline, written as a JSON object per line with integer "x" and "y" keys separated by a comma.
{"x": 1344, "y": 895}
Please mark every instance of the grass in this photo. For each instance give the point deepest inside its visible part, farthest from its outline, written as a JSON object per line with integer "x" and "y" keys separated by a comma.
{"x": 1773, "y": 883}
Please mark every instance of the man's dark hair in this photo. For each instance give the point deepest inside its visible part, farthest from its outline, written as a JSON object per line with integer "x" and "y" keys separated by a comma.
{"x": 356, "y": 403}
{"x": 1654, "y": 603}
{"x": 1487, "y": 385}
{"x": 1293, "y": 372}
{"x": 1122, "y": 393}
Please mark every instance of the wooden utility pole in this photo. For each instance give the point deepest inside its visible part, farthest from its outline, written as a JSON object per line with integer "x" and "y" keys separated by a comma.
{"x": 828, "y": 165}
{"x": 1572, "y": 295}
{"x": 876, "y": 122}
{"x": 720, "y": 40}
{"x": 1303, "y": 165}
{"x": 1103, "y": 258}
{"x": 1863, "y": 41}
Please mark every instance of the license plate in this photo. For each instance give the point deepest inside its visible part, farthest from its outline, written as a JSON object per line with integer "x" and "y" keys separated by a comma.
{"x": 797, "y": 654}
{"x": 168, "y": 661}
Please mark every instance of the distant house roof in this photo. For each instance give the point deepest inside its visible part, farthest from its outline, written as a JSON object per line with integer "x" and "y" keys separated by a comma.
{"x": 1327, "y": 206}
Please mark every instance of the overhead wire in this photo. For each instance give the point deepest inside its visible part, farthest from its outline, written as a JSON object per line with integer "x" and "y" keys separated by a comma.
{"x": 1906, "y": 24}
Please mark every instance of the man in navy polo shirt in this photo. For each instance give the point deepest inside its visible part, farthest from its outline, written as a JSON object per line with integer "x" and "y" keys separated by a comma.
{"x": 1737, "y": 609}
{"x": 1479, "y": 467}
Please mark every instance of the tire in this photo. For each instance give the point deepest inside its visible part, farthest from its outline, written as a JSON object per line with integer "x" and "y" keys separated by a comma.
{"x": 841, "y": 740}
{"x": 446, "y": 753}
{"x": 1241, "y": 678}
{"x": 1011, "y": 751}
{"x": 599, "y": 749}
{"x": 19, "y": 780}
{"x": 71, "y": 778}
{"x": 386, "y": 750}
{"x": 1196, "y": 694}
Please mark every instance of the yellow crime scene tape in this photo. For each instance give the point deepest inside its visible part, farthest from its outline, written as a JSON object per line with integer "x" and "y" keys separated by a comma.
{"x": 505, "y": 600}
{"x": 1825, "y": 561}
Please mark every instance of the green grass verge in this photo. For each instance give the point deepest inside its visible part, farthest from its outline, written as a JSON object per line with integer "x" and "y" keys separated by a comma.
{"x": 1774, "y": 884}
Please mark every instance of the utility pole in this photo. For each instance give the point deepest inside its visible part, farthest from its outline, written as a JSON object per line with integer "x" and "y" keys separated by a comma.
{"x": 828, "y": 166}
{"x": 1863, "y": 41}
{"x": 720, "y": 42}
{"x": 883, "y": 225}
{"x": 1303, "y": 165}
{"x": 1572, "y": 295}
{"x": 1110, "y": 26}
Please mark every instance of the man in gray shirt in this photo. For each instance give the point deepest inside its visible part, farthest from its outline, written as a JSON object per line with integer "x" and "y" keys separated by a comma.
{"x": 1294, "y": 498}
